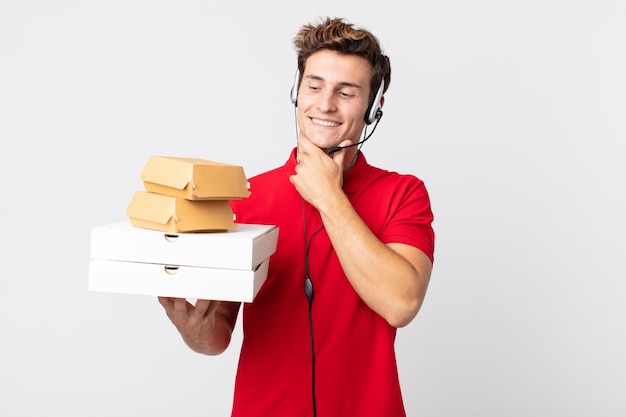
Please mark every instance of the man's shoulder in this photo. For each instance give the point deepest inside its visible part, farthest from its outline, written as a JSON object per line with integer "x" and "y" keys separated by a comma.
{"x": 390, "y": 176}
{"x": 268, "y": 174}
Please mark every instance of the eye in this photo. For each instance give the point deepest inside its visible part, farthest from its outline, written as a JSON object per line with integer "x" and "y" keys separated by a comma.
{"x": 346, "y": 93}
{"x": 314, "y": 87}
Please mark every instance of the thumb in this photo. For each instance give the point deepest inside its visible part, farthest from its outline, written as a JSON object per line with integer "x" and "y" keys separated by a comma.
{"x": 338, "y": 156}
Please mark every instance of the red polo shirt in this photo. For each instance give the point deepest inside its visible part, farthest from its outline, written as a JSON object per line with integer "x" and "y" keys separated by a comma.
{"x": 356, "y": 373}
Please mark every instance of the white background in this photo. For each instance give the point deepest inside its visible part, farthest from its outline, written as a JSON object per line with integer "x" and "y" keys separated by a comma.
{"x": 512, "y": 112}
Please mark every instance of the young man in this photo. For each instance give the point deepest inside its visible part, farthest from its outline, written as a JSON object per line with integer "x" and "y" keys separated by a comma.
{"x": 354, "y": 255}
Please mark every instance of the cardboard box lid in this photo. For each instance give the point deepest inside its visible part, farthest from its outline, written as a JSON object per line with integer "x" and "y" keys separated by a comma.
{"x": 194, "y": 178}
{"x": 174, "y": 214}
{"x": 176, "y": 281}
{"x": 243, "y": 248}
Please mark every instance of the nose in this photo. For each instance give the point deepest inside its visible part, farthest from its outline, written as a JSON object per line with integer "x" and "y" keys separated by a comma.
{"x": 326, "y": 101}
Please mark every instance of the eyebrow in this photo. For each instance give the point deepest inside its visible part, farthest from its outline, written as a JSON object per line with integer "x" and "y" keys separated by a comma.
{"x": 342, "y": 83}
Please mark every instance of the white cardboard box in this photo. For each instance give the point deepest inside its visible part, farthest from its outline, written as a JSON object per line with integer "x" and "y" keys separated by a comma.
{"x": 244, "y": 247}
{"x": 228, "y": 266}
{"x": 176, "y": 281}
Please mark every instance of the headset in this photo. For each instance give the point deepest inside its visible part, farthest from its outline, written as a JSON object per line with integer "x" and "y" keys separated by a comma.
{"x": 373, "y": 113}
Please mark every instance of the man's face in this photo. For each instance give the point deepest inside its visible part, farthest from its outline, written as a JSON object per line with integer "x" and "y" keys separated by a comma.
{"x": 333, "y": 98}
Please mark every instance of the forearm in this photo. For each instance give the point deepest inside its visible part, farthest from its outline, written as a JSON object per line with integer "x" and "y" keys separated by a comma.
{"x": 391, "y": 279}
{"x": 385, "y": 279}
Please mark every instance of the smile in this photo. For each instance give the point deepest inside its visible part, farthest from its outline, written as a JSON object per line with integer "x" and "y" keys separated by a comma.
{"x": 325, "y": 123}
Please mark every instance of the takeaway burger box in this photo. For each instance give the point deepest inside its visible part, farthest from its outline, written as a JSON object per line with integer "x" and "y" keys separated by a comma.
{"x": 187, "y": 195}
{"x": 227, "y": 266}
{"x": 194, "y": 179}
{"x": 174, "y": 214}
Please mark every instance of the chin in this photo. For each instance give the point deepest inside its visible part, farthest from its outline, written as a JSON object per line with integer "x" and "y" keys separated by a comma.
{"x": 322, "y": 143}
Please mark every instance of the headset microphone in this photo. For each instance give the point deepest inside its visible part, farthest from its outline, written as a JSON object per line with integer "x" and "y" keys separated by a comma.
{"x": 334, "y": 149}
{"x": 331, "y": 151}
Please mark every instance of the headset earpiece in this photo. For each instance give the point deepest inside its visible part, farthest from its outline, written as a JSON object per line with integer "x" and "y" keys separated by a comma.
{"x": 374, "y": 112}
{"x": 294, "y": 89}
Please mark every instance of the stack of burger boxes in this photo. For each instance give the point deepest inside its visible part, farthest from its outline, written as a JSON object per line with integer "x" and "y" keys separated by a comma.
{"x": 180, "y": 238}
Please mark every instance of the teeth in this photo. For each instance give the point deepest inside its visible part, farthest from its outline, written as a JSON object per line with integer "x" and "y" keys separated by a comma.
{"x": 325, "y": 123}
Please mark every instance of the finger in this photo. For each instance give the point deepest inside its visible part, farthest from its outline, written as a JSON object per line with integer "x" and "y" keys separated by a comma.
{"x": 180, "y": 305}
{"x": 212, "y": 308}
{"x": 164, "y": 301}
{"x": 204, "y": 307}
{"x": 338, "y": 157}
{"x": 171, "y": 309}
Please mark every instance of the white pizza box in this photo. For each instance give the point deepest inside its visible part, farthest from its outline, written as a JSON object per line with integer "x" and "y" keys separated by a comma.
{"x": 176, "y": 281}
{"x": 243, "y": 248}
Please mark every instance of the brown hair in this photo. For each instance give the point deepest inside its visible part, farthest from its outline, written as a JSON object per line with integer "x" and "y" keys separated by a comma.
{"x": 337, "y": 35}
